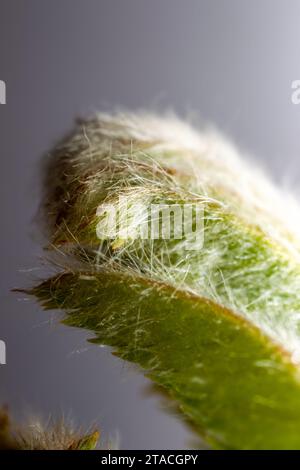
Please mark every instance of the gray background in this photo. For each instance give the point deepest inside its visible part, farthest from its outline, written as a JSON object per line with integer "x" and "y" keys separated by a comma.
{"x": 231, "y": 62}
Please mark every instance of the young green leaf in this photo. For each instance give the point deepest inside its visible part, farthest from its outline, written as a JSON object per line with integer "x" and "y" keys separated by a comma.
{"x": 208, "y": 306}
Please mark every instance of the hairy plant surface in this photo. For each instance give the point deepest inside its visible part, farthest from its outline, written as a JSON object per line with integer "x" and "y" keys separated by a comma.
{"x": 214, "y": 316}
{"x": 36, "y": 435}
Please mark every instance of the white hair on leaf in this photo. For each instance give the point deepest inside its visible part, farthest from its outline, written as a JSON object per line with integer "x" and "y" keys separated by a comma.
{"x": 249, "y": 261}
